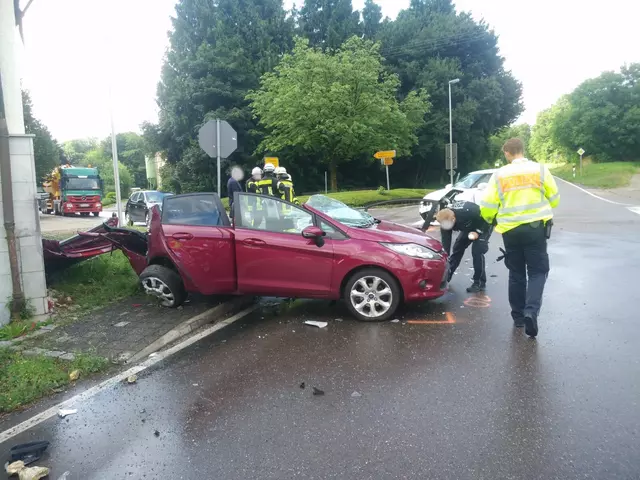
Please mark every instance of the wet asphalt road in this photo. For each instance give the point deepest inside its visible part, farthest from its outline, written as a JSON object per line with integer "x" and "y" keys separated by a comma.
{"x": 465, "y": 396}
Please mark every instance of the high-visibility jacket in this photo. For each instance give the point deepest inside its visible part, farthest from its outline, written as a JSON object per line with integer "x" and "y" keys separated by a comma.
{"x": 253, "y": 202}
{"x": 518, "y": 193}
{"x": 268, "y": 185}
{"x": 287, "y": 193}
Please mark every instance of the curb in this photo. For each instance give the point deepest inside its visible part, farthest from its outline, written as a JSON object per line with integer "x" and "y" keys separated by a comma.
{"x": 188, "y": 326}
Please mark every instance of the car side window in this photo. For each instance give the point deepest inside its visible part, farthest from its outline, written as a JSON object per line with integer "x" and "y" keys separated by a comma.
{"x": 271, "y": 215}
{"x": 331, "y": 232}
{"x": 134, "y": 198}
{"x": 196, "y": 210}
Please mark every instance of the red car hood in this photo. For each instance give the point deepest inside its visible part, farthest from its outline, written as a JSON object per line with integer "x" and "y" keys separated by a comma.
{"x": 394, "y": 233}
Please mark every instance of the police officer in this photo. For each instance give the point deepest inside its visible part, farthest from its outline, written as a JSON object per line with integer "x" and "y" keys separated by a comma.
{"x": 285, "y": 186}
{"x": 520, "y": 198}
{"x": 268, "y": 185}
{"x": 465, "y": 218}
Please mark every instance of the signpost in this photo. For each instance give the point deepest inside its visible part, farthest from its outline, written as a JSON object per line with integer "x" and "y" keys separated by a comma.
{"x": 386, "y": 159}
{"x": 451, "y": 158}
{"x": 581, "y": 152}
{"x": 218, "y": 139}
{"x": 273, "y": 160}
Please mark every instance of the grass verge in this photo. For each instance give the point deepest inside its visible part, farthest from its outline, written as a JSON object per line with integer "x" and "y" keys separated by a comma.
{"x": 359, "y": 198}
{"x": 97, "y": 282}
{"x": 24, "y": 380}
{"x": 599, "y": 175}
{"x": 19, "y": 328}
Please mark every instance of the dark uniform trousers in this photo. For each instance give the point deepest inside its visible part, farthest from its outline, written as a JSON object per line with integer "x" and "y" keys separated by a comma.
{"x": 526, "y": 253}
{"x": 478, "y": 250}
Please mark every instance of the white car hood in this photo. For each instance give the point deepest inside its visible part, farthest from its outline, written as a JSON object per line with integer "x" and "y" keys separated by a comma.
{"x": 466, "y": 194}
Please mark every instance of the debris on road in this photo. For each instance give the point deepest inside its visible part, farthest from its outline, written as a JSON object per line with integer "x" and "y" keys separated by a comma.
{"x": 316, "y": 324}
{"x": 317, "y": 391}
{"x": 338, "y": 320}
{"x": 14, "y": 468}
{"x": 73, "y": 376}
{"x": 62, "y": 413}
{"x": 356, "y": 395}
{"x": 28, "y": 452}
{"x": 494, "y": 276}
{"x": 303, "y": 385}
{"x": 26, "y": 473}
{"x": 132, "y": 379}
{"x": 395, "y": 320}
{"x": 64, "y": 476}
{"x": 156, "y": 433}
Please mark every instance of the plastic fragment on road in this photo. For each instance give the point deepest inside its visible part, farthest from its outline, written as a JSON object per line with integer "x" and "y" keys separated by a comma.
{"x": 62, "y": 413}
{"x": 316, "y": 324}
{"x": 338, "y": 320}
{"x": 132, "y": 379}
{"x": 73, "y": 376}
{"x": 395, "y": 320}
{"x": 303, "y": 385}
{"x": 33, "y": 473}
{"x": 64, "y": 476}
{"x": 317, "y": 391}
{"x": 156, "y": 433}
{"x": 356, "y": 395}
{"x": 14, "y": 468}
{"x": 28, "y": 452}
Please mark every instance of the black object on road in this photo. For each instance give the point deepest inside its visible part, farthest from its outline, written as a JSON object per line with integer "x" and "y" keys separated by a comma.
{"x": 317, "y": 391}
{"x": 303, "y": 385}
{"x": 28, "y": 452}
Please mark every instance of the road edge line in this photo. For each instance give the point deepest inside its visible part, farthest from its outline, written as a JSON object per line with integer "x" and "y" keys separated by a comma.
{"x": 594, "y": 195}
{"x": 111, "y": 382}
{"x": 190, "y": 325}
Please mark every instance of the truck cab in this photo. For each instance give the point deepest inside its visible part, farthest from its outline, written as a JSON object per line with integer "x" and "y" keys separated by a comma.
{"x": 74, "y": 190}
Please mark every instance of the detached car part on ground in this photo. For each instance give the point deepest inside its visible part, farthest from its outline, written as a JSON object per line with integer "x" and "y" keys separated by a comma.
{"x": 322, "y": 250}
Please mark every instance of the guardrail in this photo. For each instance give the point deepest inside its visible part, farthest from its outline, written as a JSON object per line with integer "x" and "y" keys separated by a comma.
{"x": 396, "y": 202}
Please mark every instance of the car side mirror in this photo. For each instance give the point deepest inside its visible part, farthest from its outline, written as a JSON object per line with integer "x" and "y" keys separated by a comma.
{"x": 482, "y": 186}
{"x": 314, "y": 233}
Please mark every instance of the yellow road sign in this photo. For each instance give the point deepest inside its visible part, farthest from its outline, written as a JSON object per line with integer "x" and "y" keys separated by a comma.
{"x": 387, "y": 161}
{"x": 273, "y": 160}
{"x": 385, "y": 154}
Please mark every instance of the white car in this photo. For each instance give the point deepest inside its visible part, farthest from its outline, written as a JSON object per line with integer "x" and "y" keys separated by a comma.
{"x": 471, "y": 186}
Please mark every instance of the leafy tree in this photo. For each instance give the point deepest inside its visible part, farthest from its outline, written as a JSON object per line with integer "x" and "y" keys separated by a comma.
{"x": 546, "y": 136}
{"x": 218, "y": 51}
{"x": 99, "y": 158}
{"x": 131, "y": 152}
{"x": 336, "y": 106}
{"x": 76, "y": 150}
{"x": 371, "y": 18}
{"x": 329, "y": 23}
{"x": 428, "y": 45}
{"x": 497, "y": 141}
{"x": 46, "y": 150}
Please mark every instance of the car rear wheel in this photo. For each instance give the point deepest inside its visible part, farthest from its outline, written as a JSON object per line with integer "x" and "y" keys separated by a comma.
{"x": 372, "y": 295}
{"x": 96, "y": 214}
{"x": 164, "y": 284}
{"x": 127, "y": 219}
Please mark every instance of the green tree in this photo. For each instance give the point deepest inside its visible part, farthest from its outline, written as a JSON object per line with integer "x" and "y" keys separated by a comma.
{"x": 98, "y": 158}
{"x": 329, "y": 23}
{"x": 428, "y": 45}
{"x": 46, "y": 150}
{"x": 336, "y": 106}
{"x": 497, "y": 141}
{"x": 371, "y": 18}
{"x": 131, "y": 152}
{"x": 76, "y": 150}
{"x": 218, "y": 51}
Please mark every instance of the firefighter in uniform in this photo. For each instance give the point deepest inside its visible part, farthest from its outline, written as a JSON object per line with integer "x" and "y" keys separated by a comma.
{"x": 268, "y": 185}
{"x": 255, "y": 204}
{"x": 520, "y": 198}
{"x": 285, "y": 186}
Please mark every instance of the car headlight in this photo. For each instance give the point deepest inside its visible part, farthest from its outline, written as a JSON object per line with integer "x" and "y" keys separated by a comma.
{"x": 413, "y": 250}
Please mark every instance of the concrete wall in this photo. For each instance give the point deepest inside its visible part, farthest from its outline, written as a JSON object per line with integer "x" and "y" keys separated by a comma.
{"x": 27, "y": 228}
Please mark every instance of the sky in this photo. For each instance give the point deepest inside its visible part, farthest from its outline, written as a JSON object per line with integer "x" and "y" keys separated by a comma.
{"x": 77, "y": 51}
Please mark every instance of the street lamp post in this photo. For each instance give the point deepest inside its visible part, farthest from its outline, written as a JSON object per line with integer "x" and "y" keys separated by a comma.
{"x": 451, "y": 82}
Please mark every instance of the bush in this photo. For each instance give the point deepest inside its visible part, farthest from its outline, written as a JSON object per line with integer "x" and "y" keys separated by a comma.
{"x": 382, "y": 191}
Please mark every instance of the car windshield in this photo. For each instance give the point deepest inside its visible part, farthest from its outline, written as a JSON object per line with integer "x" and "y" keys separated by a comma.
{"x": 468, "y": 181}
{"x": 156, "y": 197}
{"x": 340, "y": 212}
{"x": 75, "y": 183}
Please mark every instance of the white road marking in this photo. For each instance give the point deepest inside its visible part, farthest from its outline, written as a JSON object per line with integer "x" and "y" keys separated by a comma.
{"x": 593, "y": 194}
{"x": 635, "y": 210}
{"x": 111, "y": 382}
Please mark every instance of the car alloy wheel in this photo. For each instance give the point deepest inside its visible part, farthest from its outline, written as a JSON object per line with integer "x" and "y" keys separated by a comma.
{"x": 371, "y": 296}
{"x": 157, "y": 288}
{"x": 127, "y": 219}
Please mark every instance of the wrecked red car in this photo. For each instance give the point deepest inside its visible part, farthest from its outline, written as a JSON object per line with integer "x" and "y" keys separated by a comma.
{"x": 323, "y": 250}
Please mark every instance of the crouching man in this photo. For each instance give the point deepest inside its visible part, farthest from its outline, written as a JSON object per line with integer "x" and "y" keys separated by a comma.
{"x": 464, "y": 217}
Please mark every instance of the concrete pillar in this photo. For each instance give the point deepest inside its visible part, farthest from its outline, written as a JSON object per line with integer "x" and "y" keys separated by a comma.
{"x": 23, "y": 179}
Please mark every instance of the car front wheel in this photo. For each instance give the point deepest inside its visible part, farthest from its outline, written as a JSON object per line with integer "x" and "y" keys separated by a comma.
{"x": 164, "y": 284}
{"x": 372, "y": 295}
{"x": 127, "y": 219}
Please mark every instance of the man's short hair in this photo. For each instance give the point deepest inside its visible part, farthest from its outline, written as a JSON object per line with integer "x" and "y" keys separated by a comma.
{"x": 513, "y": 146}
{"x": 445, "y": 214}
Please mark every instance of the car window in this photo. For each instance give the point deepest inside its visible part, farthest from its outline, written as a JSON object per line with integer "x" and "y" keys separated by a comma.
{"x": 134, "y": 197}
{"x": 341, "y": 212}
{"x": 196, "y": 210}
{"x": 468, "y": 181}
{"x": 331, "y": 231}
{"x": 155, "y": 197}
{"x": 271, "y": 215}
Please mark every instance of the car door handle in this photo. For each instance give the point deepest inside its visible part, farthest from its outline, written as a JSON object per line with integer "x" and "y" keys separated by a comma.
{"x": 254, "y": 242}
{"x": 182, "y": 236}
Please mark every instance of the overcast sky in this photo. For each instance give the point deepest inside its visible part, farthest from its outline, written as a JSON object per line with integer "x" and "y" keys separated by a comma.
{"x": 75, "y": 47}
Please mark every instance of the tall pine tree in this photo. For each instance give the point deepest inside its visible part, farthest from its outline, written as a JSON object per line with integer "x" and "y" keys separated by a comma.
{"x": 329, "y": 23}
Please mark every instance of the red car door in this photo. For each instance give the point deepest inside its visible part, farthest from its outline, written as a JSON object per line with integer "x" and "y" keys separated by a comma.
{"x": 272, "y": 257}
{"x": 199, "y": 237}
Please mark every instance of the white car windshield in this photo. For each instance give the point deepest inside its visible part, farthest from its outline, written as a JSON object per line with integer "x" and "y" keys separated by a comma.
{"x": 341, "y": 212}
{"x": 468, "y": 181}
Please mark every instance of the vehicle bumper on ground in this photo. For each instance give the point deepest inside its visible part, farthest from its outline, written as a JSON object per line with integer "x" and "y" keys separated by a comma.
{"x": 424, "y": 279}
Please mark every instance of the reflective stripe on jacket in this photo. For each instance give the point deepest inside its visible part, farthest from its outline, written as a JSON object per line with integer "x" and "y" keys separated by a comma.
{"x": 286, "y": 190}
{"x": 521, "y": 192}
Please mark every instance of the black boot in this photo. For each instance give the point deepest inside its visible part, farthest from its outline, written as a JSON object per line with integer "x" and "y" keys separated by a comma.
{"x": 477, "y": 287}
{"x": 531, "y": 326}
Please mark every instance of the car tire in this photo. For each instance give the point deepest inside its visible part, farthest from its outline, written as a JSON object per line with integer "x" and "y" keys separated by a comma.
{"x": 96, "y": 214}
{"x": 85, "y": 214}
{"x": 127, "y": 219}
{"x": 164, "y": 284}
{"x": 386, "y": 292}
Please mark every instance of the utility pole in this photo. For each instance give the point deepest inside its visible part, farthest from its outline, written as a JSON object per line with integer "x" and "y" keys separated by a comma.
{"x": 455, "y": 80}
